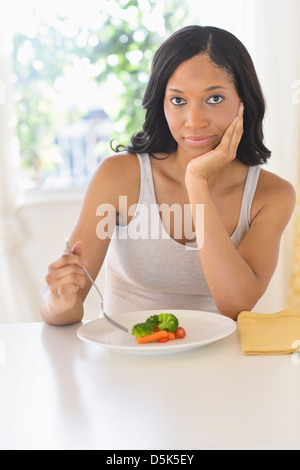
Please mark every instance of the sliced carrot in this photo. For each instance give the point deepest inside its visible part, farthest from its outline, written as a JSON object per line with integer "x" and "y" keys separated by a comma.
{"x": 153, "y": 337}
{"x": 163, "y": 340}
{"x": 170, "y": 336}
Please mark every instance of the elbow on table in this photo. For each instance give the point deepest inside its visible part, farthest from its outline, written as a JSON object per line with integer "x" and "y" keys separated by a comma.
{"x": 241, "y": 300}
{"x": 234, "y": 309}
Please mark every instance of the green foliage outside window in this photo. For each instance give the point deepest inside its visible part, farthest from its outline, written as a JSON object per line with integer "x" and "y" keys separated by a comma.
{"x": 113, "y": 56}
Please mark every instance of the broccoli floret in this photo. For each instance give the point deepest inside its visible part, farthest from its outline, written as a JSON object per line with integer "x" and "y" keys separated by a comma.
{"x": 153, "y": 320}
{"x": 143, "y": 329}
{"x": 167, "y": 321}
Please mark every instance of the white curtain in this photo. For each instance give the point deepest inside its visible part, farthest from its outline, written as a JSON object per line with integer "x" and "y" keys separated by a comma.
{"x": 278, "y": 62}
{"x": 294, "y": 287}
{"x": 14, "y": 275}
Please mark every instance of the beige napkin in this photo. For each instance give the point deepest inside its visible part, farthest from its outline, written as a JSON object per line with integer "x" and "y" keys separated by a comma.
{"x": 271, "y": 333}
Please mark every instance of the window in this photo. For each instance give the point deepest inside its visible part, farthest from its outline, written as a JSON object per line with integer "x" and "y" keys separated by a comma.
{"x": 79, "y": 73}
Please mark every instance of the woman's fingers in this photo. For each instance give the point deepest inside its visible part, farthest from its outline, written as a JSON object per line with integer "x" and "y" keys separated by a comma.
{"x": 238, "y": 131}
{"x": 65, "y": 275}
{"x": 67, "y": 290}
{"x": 65, "y": 260}
{"x": 55, "y": 280}
{"x": 65, "y": 278}
{"x": 224, "y": 153}
{"x": 233, "y": 133}
{"x": 65, "y": 270}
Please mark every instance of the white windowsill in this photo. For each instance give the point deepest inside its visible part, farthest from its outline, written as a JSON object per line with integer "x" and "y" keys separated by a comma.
{"x": 50, "y": 196}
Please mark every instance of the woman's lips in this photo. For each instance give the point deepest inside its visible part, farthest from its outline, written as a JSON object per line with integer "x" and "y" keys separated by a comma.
{"x": 199, "y": 140}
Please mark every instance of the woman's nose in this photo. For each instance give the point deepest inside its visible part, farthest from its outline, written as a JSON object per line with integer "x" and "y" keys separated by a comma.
{"x": 196, "y": 118}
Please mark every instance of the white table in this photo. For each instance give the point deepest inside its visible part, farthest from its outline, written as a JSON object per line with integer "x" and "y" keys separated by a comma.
{"x": 57, "y": 392}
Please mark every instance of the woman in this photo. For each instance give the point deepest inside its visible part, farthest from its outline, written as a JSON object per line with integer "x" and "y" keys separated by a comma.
{"x": 201, "y": 148}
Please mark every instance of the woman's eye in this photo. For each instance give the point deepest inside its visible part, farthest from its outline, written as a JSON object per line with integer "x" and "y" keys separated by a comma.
{"x": 177, "y": 101}
{"x": 216, "y": 99}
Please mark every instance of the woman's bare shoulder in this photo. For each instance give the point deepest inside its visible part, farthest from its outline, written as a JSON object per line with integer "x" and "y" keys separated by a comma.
{"x": 276, "y": 193}
{"x": 117, "y": 163}
{"x": 117, "y": 175}
{"x": 273, "y": 185}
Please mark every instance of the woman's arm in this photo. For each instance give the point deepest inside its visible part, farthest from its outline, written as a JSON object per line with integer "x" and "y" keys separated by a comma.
{"x": 62, "y": 299}
{"x": 59, "y": 302}
{"x": 237, "y": 278}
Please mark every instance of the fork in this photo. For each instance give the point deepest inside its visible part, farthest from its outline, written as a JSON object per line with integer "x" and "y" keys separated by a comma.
{"x": 113, "y": 322}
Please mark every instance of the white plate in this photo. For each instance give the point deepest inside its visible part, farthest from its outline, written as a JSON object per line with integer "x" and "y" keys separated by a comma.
{"x": 201, "y": 328}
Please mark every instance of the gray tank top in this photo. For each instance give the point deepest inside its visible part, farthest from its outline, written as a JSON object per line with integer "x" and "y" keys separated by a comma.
{"x": 146, "y": 269}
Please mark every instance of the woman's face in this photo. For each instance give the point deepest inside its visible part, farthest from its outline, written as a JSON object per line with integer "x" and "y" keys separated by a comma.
{"x": 199, "y": 104}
